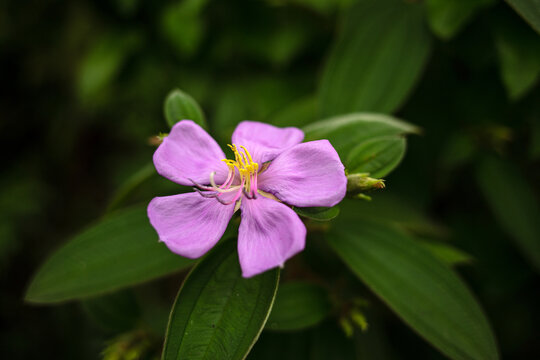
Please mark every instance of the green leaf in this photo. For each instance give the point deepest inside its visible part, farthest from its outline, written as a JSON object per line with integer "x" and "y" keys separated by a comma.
{"x": 180, "y": 106}
{"x": 349, "y": 131}
{"x": 298, "y": 305}
{"x": 512, "y": 200}
{"x": 449, "y": 255}
{"x": 119, "y": 251}
{"x": 425, "y": 293}
{"x": 447, "y": 17}
{"x": 518, "y": 48}
{"x": 529, "y": 10}
{"x": 377, "y": 60}
{"x": 318, "y": 213}
{"x": 377, "y": 156}
{"x": 218, "y": 314}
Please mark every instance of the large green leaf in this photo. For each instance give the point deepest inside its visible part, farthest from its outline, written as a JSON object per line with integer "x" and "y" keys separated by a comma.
{"x": 355, "y": 133}
{"x": 181, "y": 106}
{"x": 512, "y": 200}
{"x": 529, "y": 10}
{"x": 298, "y": 305}
{"x": 117, "y": 252}
{"x": 218, "y": 314}
{"x": 377, "y": 60}
{"x": 425, "y": 293}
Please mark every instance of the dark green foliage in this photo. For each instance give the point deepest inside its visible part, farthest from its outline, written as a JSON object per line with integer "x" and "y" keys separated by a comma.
{"x": 218, "y": 314}
{"x": 87, "y": 93}
{"x": 375, "y": 73}
{"x": 120, "y": 251}
{"x": 420, "y": 289}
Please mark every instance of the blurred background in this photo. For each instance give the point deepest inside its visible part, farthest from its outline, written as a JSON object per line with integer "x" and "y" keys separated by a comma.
{"x": 83, "y": 85}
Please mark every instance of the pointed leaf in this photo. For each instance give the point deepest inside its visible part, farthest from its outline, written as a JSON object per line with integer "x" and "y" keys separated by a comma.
{"x": 119, "y": 251}
{"x": 377, "y": 60}
{"x": 426, "y": 294}
{"x": 218, "y": 314}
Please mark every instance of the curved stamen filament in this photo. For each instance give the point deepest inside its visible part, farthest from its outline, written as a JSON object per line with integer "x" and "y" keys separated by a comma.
{"x": 247, "y": 170}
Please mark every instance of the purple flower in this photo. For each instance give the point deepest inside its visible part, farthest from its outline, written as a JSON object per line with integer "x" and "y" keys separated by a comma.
{"x": 271, "y": 168}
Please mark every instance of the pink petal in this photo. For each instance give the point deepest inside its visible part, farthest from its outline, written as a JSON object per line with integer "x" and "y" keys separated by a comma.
{"x": 264, "y": 141}
{"x": 189, "y": 224}
{"x": 269, "y": 234}
{"x": 306, "y": 175}
{"x": 189, "y": 153}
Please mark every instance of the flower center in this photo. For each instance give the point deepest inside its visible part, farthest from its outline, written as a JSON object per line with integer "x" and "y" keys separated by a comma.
{"x": 241, "y": 179}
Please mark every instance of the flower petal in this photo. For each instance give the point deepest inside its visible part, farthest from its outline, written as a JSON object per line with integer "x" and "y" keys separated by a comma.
{"x": 189, "y": 224}
{"x": 269, "y": 234}
{"x": 265, "y": 141}
{"x": 188, "y": 152}
{"x": 306, "y": 175}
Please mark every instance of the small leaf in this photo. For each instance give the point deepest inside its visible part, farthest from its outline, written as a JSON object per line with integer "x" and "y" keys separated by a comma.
{"x": 180, "y": 106}
{"x": 119, "y": 251}
{"x": 377, "y": 60}
{"x": 426, "y": 294}
{"x": 449, "y": 255}
{"x": 512, "y": 201}
{"x": 377, "y": 156}
{"x": 529, "y": 10}
{"x": 318, "y": 213}
{"x": 447, "y": 17}
{"x": 298, "y": 305}
{"x": 218, "y": 314}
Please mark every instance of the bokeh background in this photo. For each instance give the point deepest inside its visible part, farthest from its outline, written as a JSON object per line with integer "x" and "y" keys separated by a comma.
{"x": 83, "y": 85}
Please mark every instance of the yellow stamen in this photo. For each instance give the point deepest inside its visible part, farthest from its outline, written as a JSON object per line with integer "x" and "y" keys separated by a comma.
{"x": 244, "y": 163}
